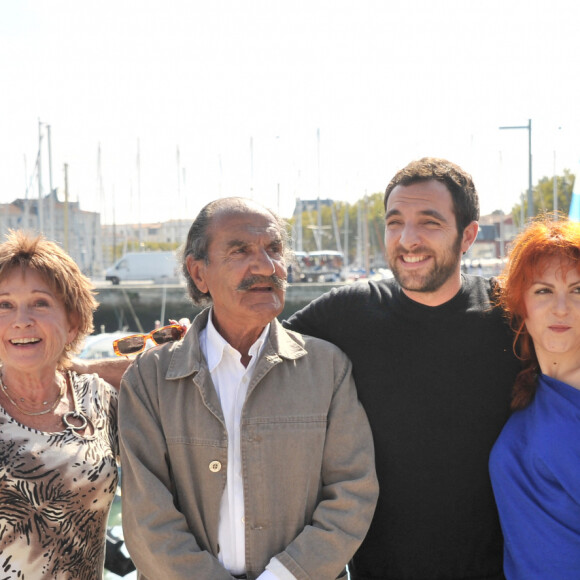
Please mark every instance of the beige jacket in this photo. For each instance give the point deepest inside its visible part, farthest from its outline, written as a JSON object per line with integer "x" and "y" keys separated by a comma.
{"x": 308, "y": 465}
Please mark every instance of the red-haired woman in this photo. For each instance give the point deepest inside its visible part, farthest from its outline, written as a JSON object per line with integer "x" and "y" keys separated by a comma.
{"x": 535, "y": 463}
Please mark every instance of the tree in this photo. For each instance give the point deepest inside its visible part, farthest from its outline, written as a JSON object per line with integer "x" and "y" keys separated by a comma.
{"x": 543, "y": 196}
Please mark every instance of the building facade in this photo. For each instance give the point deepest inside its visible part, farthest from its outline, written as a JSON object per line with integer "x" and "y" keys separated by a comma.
{"x": 77, "y": 231}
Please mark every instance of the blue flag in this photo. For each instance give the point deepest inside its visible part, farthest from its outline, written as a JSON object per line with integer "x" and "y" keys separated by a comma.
{"x": 574, "y": 214}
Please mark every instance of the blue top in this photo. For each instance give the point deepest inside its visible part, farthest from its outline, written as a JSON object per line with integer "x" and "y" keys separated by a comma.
{"x": 535, "y": 473}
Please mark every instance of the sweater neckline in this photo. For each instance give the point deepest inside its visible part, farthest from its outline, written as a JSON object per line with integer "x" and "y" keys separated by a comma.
{"x": 441, "y": 309}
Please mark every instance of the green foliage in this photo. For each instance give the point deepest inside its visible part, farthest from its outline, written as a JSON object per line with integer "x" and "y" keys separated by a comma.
{"x": 543, "y": 196}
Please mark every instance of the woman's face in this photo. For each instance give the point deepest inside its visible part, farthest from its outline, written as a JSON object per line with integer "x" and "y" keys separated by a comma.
{"x": 553, "y": 309}
{"x": 34, "y": 326}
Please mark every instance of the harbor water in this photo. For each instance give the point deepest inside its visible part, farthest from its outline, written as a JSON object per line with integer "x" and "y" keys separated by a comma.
{"x": 136, "y": 307}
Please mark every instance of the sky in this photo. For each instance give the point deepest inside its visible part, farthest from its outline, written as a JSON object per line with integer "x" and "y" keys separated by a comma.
{"x": 158, "y": 107}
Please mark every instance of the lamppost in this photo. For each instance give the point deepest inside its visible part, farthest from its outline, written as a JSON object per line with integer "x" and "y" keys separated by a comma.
{"x": 530, "y": 212}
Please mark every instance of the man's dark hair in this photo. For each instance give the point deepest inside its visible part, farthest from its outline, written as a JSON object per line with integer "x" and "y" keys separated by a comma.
{"x": 198, "y": 238}
{"x": 458, "y": 182}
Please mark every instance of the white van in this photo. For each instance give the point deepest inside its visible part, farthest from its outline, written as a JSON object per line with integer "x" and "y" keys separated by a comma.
{"x": 157, "y": 266}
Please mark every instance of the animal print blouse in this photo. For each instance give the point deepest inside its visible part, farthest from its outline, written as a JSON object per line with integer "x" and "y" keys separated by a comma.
{"x": 56, "y": 490}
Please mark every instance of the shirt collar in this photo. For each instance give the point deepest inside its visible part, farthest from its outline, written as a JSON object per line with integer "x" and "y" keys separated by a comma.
{"x": 214, "y": 344}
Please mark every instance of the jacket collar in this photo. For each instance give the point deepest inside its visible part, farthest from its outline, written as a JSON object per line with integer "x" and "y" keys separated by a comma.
{"x": 187, "y": 359}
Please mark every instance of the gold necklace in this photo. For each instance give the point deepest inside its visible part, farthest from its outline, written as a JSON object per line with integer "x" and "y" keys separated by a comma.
{"x": 36, "y": 413}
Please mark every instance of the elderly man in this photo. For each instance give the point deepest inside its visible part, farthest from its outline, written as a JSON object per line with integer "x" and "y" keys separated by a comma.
{"x": 245, "y": 451}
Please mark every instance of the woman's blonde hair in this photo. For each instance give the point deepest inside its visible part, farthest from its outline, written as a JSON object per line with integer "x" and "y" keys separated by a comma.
{"x": 62, "y": 275}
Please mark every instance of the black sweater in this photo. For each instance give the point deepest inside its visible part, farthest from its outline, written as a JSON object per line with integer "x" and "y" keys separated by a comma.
{"x": 435, "y": 383}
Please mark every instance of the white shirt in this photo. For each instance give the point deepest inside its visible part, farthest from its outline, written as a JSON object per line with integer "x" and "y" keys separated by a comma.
{"x": 231, "y": 380}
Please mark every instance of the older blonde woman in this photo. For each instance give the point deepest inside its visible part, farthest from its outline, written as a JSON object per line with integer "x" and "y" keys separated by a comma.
{"x": 58, "y": 430}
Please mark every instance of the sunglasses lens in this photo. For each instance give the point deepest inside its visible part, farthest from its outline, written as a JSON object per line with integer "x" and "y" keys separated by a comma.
{"x": 167, "y": 334}
{"x": 131, "y": 344}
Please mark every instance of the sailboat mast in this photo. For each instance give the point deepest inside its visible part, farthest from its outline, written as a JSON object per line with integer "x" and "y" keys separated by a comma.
{"x": 139, "y": 192}
{"x": 318, "y": 236}
{"x": 251, "y": 168}
{"x": 178, "y": 179}
{"x": 66, "y": 207}
{"x": 345, "y": 222}
{"x": 40, "y": 216}
{"x": 51, "y": 196}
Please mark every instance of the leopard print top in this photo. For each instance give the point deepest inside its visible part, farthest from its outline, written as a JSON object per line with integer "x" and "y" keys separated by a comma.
{"x": 56, "y": 491}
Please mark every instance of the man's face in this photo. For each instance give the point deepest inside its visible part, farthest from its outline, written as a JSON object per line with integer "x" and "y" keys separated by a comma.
{"x": 422, "y": 244}
{"x": 245, "y": 251}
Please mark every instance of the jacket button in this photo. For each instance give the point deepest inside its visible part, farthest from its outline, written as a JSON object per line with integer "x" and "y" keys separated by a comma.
{"x": 215, "y": 466}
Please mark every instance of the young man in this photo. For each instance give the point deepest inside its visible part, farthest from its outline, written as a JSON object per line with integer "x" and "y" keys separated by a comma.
{"x": 434, "y": 367}
{"x": 245, "y": 451}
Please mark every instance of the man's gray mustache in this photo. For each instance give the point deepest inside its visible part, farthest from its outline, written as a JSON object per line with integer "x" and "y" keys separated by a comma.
{"x": 273, "y": 280}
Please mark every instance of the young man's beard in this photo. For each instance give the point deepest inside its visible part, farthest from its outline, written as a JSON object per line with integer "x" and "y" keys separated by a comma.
{"x": 442, "y": 269}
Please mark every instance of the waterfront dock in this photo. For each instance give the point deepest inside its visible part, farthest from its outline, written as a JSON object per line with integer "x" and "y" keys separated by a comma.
{"x": 136, "y": 306}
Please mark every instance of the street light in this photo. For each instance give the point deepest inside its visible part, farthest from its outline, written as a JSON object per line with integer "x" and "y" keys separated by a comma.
{"x": 530, "y": 196}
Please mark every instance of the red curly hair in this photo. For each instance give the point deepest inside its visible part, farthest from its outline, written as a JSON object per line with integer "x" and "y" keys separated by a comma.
{"x": 530, "y": 252}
